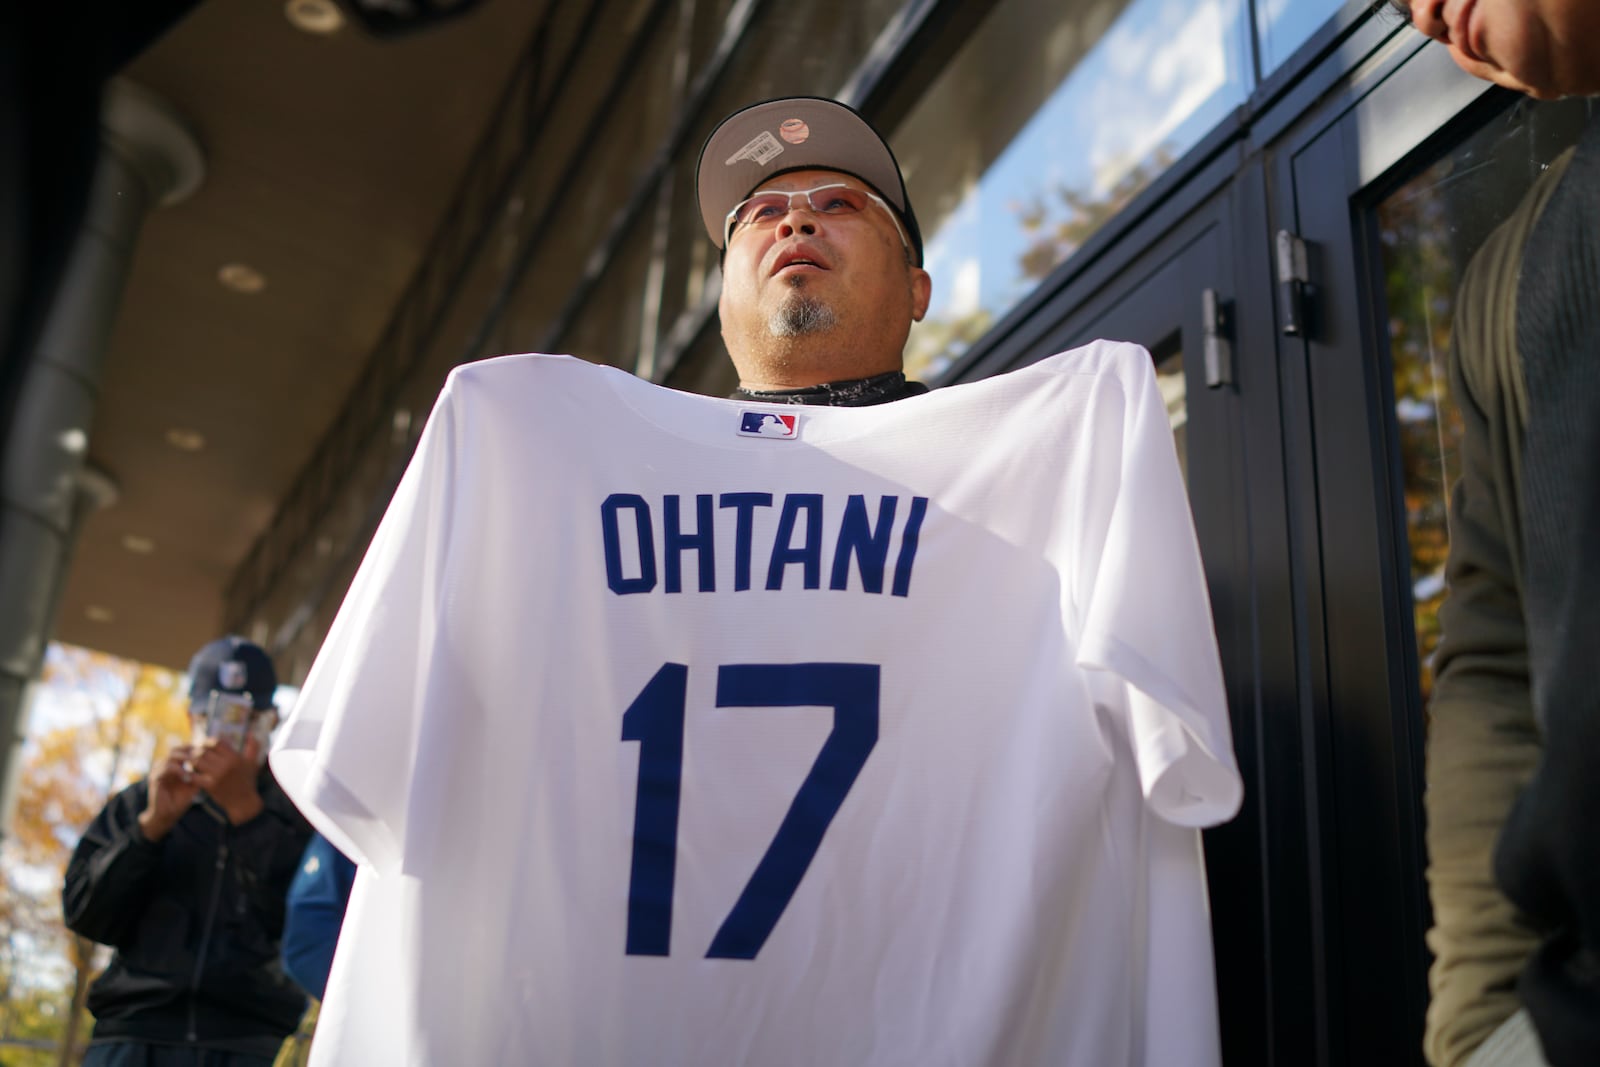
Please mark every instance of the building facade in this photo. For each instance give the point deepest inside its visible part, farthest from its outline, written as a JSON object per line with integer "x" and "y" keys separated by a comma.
{"x": 1276, "y": 198}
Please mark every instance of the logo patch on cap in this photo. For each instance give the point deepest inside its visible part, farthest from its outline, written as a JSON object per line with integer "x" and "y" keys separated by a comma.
{"x": 232, "y": 674}
{"x": 795, "y": 131}
{"x": 763, "y": 149}
{"x": 768, "y": 424}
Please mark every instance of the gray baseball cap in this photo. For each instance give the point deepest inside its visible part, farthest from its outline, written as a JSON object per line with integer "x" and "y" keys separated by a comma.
{"x": 794, "y": 133}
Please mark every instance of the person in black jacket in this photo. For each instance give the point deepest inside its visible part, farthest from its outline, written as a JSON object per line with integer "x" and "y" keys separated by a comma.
{"x": 185, "y": 874}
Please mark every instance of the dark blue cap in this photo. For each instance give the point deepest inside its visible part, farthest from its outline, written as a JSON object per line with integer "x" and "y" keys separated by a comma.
{"x": 233, "y": 665}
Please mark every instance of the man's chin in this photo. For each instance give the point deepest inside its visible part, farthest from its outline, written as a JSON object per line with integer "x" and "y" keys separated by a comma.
{"x": 801, "y": 315}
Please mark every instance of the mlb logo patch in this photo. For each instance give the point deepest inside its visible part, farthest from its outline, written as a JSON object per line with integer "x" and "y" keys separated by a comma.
{"x": 231, "y": 674}
{"x": 768, "y": 424}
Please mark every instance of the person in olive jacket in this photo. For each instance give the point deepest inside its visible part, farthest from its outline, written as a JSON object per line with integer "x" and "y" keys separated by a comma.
{"x": 1514, "y": 718}
{"x": 185, "y": 875}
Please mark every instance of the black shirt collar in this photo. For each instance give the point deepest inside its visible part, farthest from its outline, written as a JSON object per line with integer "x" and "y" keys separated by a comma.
{"x": 855, "y": 393}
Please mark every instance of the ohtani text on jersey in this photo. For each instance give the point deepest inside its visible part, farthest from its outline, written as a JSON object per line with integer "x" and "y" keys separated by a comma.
{"x": 632, "y": 550}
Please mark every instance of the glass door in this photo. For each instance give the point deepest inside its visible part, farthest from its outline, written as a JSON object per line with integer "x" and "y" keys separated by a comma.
{"x": 1422, "y": 234}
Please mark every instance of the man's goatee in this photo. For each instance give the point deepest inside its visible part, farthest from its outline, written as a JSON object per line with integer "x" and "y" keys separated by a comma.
{"x": 801, "y": 315}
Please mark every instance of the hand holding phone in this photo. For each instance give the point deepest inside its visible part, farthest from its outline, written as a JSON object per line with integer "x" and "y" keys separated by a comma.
{"x": 171, "y": 790}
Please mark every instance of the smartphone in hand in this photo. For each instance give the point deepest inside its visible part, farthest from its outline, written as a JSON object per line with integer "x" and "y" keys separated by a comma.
{"x": 228, "y": 719}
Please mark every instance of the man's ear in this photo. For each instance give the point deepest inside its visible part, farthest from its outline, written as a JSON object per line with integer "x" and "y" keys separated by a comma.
{"x": 921, "y": 293}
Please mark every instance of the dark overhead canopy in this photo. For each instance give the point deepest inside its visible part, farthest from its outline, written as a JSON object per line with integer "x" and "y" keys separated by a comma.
{"x": 330, "y": 161}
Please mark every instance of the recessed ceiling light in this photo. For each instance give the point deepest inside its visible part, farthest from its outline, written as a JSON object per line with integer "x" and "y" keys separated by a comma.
{"x": 99, "y": 613}
{"x": 185, "y": 440}
{"x": 314, "y": 16}
{"x": 242, "y": 278}
{"x": 140, "y": 545}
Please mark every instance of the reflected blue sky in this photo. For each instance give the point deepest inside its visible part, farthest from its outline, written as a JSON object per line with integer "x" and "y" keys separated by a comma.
{"x": 1163, "y": 74}
{"x": 1285, "y": 25}
{"x": 1160, "y": 76}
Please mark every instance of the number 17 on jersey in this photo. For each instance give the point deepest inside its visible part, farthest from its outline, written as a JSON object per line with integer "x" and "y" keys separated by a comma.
{"x": 655, "y": 720}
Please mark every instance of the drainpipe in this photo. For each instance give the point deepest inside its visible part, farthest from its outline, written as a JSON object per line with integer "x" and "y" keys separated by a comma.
{"x": 148, "y": 158}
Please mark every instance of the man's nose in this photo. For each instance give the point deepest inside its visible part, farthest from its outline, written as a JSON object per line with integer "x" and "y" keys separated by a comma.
{"x": 799, "y": 219}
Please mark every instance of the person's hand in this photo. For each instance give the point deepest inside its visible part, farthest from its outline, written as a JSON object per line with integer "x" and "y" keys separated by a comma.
{"x": 172, "y": 789}
{"x": 229, "y": 776}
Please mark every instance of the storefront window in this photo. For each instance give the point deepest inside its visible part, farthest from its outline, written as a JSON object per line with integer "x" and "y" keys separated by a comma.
{"x": 1045, "y": 125}
{"x": 1428, "y": 231}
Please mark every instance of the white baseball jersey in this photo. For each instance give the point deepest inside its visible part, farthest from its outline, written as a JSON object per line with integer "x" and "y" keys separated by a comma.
{"x": 676, "y": 730}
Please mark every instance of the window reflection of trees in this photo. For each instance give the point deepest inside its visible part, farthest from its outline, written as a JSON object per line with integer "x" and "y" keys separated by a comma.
{"x": 1428, "y": 230}
{"x": 1420, "y": 278}
{"x": 1049, "y": 121}
{"x": 1057, "y": 225}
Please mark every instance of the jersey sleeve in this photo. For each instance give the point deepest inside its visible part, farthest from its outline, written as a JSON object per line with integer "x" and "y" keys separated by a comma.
{"x": 1146, "y": 619}
{"x": 348, "y": 751}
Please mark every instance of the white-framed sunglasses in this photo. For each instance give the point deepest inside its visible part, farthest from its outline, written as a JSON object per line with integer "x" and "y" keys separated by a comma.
{"x": 838, "y": 199}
